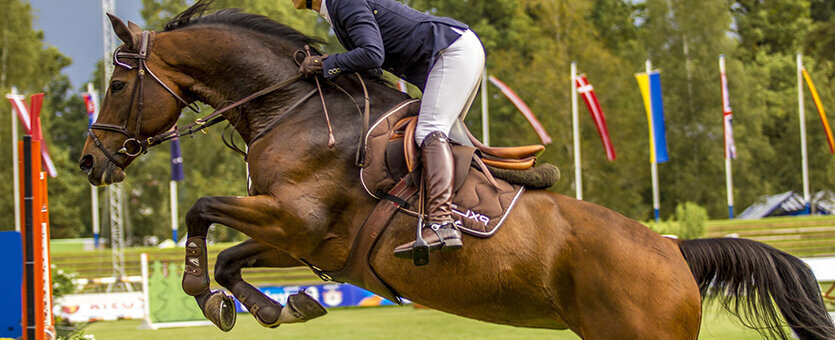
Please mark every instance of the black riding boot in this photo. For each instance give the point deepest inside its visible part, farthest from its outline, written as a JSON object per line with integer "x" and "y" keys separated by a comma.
{"x": 439, "y": 230}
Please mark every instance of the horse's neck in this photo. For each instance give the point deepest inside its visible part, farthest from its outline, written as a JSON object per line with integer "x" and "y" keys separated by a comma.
{"x": 233, "y": 67}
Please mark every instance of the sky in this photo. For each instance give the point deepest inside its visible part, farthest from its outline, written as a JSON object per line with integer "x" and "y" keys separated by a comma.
{"x": 75, "y": 28}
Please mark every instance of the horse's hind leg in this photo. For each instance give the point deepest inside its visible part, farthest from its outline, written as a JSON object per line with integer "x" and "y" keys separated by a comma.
{"x": 269, "y": 313}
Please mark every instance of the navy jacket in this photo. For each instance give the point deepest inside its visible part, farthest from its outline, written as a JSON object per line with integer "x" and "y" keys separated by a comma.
{"x": 389, "y": 35}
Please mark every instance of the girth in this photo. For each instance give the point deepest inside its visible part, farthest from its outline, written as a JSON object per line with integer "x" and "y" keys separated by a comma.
{"x": 357, "y": 269}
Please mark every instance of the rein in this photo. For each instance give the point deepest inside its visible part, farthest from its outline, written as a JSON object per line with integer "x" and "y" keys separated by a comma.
{"x": 133, "y": 146}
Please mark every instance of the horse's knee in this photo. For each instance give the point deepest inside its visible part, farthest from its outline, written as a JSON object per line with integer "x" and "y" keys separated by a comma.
{"x": 195, "y": 213}
{"x": 227, "y": 268}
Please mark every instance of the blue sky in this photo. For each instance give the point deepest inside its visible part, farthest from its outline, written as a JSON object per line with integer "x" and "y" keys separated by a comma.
{"x": 75, "y": 28}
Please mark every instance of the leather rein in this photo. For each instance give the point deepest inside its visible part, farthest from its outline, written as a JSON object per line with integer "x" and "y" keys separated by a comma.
{"x": 134, "y": 146}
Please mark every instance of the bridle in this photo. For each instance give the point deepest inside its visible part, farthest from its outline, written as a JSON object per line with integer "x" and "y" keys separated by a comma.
{"x": 133, "y": 146}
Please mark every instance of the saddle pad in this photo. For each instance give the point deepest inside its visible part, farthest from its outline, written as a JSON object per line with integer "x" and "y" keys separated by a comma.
{"x": 480, "y": 206}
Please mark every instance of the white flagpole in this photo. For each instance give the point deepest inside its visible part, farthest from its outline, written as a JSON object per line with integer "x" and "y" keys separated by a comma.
{"x": 578, "y": 178}
{"x": 729, "y": 180}
{"x": 804, "y": 156}
{"x": 94, "y": 191}
{"x": 174, "y": 212}
{"x": 485, "y": 123}
{"x": 15, "y": 169}
{"x": 656, "y": 200}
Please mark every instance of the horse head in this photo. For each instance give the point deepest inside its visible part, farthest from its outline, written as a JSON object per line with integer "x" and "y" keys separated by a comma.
{"x": 144, "y": 98}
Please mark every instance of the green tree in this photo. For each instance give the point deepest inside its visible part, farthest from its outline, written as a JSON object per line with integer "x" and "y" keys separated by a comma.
{"x": 31, "y": 66}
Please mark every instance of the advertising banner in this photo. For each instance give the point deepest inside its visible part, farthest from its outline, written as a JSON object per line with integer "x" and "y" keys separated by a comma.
{"x": 109, "y": 306}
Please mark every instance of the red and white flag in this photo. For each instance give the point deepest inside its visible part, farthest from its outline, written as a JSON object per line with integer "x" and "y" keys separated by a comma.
{"x": 587, "y": 91}
{"x": 35, "y": 131}
{"x": 526, "y": 111}
{"x": 19, "y": 106}
{"x": 727, "y": 117}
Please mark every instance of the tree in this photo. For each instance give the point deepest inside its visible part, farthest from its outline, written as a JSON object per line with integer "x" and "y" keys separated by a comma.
{"x": 27, "y": 63}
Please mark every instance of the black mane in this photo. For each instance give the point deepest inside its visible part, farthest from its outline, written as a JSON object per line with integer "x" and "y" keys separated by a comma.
{"x": 196, "y": 15}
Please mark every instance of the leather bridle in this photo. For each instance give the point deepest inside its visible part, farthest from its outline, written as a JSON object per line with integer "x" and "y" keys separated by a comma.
{"x": 133, "y": 146}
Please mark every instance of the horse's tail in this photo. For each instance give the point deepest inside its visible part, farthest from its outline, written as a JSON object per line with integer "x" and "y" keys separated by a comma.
{"x": 745, "y": 276}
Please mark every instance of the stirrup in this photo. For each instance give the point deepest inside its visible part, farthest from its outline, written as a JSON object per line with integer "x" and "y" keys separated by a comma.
{"x": 431, "y": 243}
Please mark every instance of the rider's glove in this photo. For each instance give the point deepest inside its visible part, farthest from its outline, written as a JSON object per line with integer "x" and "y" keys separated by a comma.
{"x": 312, "y": 65}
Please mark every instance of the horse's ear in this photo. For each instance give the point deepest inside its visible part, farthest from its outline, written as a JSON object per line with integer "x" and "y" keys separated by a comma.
{"x": 130, "y": 38}
{"x": 133, "y": 27}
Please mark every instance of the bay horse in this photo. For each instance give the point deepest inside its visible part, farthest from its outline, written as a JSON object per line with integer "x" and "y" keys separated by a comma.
{"x": 557, "y": 263}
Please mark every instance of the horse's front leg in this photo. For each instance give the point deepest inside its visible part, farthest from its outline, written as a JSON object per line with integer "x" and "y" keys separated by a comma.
{"x": 257, "y": 216}
{"x": 269, "y": 313}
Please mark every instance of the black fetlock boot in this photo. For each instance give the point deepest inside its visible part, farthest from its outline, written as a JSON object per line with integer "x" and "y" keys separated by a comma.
{"x": 440, "y": 231}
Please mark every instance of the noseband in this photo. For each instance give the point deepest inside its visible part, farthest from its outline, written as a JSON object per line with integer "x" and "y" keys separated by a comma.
{"x": 133, "y": 146}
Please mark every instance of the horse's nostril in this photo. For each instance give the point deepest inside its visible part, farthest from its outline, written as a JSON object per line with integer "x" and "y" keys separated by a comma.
{"x": 86, "y": 163}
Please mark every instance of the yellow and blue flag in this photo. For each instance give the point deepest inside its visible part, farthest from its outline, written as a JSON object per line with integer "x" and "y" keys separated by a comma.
{"x": 650, "y": 85}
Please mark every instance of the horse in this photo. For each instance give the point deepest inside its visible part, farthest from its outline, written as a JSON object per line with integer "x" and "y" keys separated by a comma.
{"x": 556, "y": 263}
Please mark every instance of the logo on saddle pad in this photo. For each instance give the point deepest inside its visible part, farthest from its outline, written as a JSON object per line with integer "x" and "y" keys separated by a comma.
{"x": 472, "y": 215}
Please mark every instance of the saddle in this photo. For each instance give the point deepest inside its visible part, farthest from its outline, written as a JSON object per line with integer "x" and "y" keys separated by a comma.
{"x": 480, "y": 201}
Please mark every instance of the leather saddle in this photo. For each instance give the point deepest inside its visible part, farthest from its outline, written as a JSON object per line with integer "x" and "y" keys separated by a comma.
{"x": 480, "y": 200}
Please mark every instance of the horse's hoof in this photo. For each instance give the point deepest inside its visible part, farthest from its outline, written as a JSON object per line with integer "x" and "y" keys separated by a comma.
{"x": 300, "y": 308}
{"x": 267, "y": 316}
{"x": 220, "y": 310}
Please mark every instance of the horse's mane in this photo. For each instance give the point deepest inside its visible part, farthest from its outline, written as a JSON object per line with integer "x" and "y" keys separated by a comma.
{"x": 196, "y": 15}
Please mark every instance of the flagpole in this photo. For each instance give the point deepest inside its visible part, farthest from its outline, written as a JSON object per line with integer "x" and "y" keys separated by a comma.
{"x": 174, "y": 212}
{"x": 729, "y": 181}
{"x": 804, "y": 156}
{"x": 578, "y": 177}
{"x": 485, "y": 123}
{"x": 656, "y": 201}
{"x": 15, "y": 169}
{"x": 94, "y": 191}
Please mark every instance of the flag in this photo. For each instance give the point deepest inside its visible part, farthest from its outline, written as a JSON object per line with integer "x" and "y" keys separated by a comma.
{"x": 91, "y": 103}
{"x": 650, "y": 85}
{"x": 526, "y": 111}
{"x": 33, "y": 126}
{"x": 821, "y": 112}
{"x": 22, "y": 112}
{"x": 177, "y": 172}
{"x": 587, "y": 91}
{"x": 730, "y": 146}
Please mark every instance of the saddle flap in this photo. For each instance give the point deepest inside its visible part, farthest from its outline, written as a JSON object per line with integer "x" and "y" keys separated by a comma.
{"x": 409, "y": 146}
{"x": 462, "y": 158}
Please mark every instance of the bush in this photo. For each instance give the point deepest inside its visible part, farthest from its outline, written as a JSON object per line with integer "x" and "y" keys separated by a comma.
{"x": 691, "y": 219}
{"x": 63, "y": 283}
{"x": 688, "y": 222}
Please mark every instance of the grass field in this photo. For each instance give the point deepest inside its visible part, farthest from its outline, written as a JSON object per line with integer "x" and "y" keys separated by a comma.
{"x": 382, "y": 323}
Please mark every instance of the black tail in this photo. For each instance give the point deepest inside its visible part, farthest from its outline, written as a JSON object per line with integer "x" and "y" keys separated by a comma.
{"x": 746, "y": 276}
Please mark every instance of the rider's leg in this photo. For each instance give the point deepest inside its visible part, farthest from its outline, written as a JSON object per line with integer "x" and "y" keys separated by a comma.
{"x": 450, "y": 89}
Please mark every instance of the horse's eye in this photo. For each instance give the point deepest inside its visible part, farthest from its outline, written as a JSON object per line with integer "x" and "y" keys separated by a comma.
{"x": 116, "y": 85}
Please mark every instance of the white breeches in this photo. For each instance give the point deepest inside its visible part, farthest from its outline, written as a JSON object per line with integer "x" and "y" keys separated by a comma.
{"x": 451, "y": 85}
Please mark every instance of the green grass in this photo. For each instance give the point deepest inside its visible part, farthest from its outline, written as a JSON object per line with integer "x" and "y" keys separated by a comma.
{"x": 382, "y": 323}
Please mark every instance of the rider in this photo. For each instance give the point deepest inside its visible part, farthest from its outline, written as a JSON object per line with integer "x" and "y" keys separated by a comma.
{"x": 439, "y": 55}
